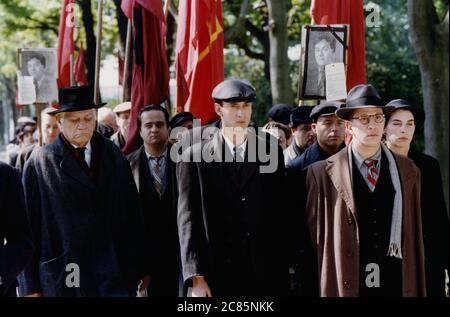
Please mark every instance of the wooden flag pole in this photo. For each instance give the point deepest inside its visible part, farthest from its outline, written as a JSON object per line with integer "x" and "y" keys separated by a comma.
{"x": 98, "y": 52}
{"x": 72, "y": 75}
{"x": 166, "y": 8}
{"x": 39, "y": 108}
{"x": 125, "y": 82}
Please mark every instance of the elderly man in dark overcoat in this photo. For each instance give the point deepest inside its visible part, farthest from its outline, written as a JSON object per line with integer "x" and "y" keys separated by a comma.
{"x": 230, "y": 209}
{"x": 83, "y": 207}
{"x": 14, "y": 228}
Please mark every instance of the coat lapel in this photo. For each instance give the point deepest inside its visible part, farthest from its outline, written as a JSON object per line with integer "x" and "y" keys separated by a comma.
{"x": 69, "y": 164}
{"x": 338, "y": 169}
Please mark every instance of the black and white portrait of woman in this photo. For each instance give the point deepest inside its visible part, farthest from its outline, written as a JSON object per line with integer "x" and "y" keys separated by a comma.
{"x": 324, "y": 46}
{"x": 41, "y": 65}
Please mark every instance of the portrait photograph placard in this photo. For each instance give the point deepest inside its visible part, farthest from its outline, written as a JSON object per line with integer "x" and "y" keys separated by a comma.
{"x": 322, "y": 45}
{"x": 41, "y": 65}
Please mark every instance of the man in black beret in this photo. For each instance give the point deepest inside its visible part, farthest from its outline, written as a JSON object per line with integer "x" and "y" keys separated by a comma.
{"x": 363, "y": 210}
{"x": 303, "y": 136}
{"x": 84, "y": 212}
{"x": 231, "y": 237}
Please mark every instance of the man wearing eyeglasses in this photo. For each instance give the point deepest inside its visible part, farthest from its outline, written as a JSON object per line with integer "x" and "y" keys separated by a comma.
{"x": 363, "y": 211}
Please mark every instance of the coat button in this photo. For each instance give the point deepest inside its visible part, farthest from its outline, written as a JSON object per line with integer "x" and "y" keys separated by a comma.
{"x": 349, "y": 254}
{"x": 347, "y": 284}
{"x": 243, "y": 198}
{"x": 349, "y": 220}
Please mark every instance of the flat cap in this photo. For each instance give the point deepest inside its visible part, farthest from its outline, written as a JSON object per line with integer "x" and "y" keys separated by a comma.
{"x": 122, "y": 107}
{"x": 280, "y": 113}
{"x": 234, "y": 90}
{"x": 300, "y": 115}
{"x": 325, "y": 108}
{"x": 180, "y": 118}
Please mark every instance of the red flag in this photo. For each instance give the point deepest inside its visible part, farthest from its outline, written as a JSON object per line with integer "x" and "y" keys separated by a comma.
{"x": 127, "y": 8}
{"x": 65, "y": 42}
{"x": 80, "y": 68}
{"x": 199, "y": 60}
{"x": 150, "y": 81}
{"x": 346, "y": 12}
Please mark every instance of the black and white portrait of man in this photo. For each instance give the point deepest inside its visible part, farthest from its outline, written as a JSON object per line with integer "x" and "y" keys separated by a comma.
{"x": 41, "y": 65}
{"x": 324, "y": 46}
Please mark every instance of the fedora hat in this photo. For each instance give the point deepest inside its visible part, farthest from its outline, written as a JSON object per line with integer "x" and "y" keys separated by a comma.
{"x": 75, "y": 99}
{"x": 361, "y": 97}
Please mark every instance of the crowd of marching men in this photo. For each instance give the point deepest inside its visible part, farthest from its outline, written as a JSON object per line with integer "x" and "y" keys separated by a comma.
{"x": 345, "y": 207}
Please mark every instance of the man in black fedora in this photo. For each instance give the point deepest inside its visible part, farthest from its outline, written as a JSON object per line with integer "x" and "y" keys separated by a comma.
{"x": 83, "y": 207}
{"x": 363, "y": 210}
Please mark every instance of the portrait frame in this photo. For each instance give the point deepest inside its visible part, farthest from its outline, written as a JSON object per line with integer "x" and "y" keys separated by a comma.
{"x": 46, "y": 85}
{"x": 337, "y": 34}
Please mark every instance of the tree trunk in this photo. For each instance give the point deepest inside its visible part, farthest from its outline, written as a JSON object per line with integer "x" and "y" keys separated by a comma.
{"x": 429, "y": 38}
{"x": 122, "y": 23}
{"x": 88, "y": 22}
{"x": 279, "y": 61}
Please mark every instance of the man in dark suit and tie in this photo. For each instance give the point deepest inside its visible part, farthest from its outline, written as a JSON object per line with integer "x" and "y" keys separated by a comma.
{"x": 14, "y": 228}
{"x": 230, "y": 209}
{"x": 154, "y": 173}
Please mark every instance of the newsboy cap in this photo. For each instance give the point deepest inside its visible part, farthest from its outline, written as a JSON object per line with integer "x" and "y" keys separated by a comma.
{"x": 231, "y": 90}
{"x": 325, "y": 108}
{"x": 122, "y": 107}
{"x": 180, "y": 118}
{"x": 361, "y": 97}
{"x": 397, "y": 104}
{"x": 280, "y": 113}
{"x": 300, "y": 115}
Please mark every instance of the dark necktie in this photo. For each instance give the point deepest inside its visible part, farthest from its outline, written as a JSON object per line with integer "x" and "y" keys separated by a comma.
{"x": 80, "y": 153}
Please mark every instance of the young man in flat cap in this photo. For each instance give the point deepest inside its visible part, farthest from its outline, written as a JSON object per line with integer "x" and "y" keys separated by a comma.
{"x": 88, "y": 230}
{"x": 230, "y": 210}
{"x": 303, "y": 136}
{"x": 16, "y": 247}
{"x": 123, "y": 112}
{"x": 363, "y": 211}
{"x": 154, "y": 174}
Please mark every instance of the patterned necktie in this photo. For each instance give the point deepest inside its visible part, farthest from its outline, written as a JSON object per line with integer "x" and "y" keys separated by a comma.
{"x": 156, "y": 171}
{"x": 372, "y": 173}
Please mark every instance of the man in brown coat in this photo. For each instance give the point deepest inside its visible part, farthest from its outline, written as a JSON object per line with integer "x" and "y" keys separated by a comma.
{"x": 363, "y": 211}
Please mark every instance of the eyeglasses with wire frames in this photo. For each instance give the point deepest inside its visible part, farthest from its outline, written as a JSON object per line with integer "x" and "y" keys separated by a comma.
{"x": 364, "y": 118}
